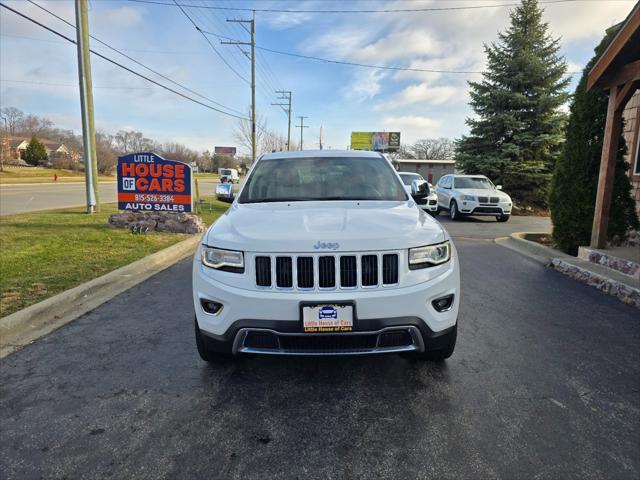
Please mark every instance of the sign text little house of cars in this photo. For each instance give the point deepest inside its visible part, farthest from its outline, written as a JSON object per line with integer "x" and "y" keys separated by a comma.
{"x": 148, "y": 182}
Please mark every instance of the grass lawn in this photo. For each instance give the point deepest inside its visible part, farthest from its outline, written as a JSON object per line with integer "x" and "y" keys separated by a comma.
{"x": 45, "y": 253}
{"x": 44, "y": 175}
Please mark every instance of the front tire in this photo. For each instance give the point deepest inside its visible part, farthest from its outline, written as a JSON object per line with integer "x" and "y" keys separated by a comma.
{"x": 454, "y": 213}
{"x": 205, "y": 351}
{"x": 434, "y": 213}
{"x": 503, "y": 218}
{"x": 441, "y": 354}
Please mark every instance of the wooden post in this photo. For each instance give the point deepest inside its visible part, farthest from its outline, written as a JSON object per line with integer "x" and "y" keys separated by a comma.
{"x": 613, "y": 126}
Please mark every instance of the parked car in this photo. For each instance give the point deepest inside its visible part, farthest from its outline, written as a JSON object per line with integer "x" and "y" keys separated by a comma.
{"x": 428, "y": 204}
{"x": 324, "y": 253}
{"x": 472, "y": 195}
{"x": 229, "y": 175}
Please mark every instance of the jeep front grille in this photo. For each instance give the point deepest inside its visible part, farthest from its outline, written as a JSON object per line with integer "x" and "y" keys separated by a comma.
{"x": 325, "y": 272}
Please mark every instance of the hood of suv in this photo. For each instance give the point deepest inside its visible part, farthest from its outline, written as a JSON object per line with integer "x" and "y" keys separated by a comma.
{"x": 324, "y": 227}
{"x": 483, "y": 192}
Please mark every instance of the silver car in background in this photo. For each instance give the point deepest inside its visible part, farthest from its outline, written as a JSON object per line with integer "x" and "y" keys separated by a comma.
{"x": 465, "y": 195}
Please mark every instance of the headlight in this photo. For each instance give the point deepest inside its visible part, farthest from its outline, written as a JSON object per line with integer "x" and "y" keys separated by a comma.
{"x": 227, "y": 260}
{"x": 422, "y": 257}
{"x": 470, "y": 198}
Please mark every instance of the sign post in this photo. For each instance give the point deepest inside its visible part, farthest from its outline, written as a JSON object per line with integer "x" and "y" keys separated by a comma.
{"x": 149, "y": 183}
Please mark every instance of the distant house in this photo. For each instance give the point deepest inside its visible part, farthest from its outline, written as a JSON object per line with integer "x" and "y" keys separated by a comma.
{"x": 431, "y": 170}
{"x": 18, "y": 145}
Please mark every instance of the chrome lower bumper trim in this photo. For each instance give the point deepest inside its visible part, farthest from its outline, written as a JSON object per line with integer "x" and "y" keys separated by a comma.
{"x": 417, "y": 343}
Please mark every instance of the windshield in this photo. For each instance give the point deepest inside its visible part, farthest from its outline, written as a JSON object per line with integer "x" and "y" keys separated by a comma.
{"x": 407, "y": 178}
{"x": 480, "y": 183}
{"x": 328, "y": 178}
{"x": 225, "y": 171}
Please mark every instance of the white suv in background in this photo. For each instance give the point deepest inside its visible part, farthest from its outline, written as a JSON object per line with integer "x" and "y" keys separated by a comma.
{"x": 472, "y": 195}
{"x": 430, "y": 203}
{"x": 324, "y": 253}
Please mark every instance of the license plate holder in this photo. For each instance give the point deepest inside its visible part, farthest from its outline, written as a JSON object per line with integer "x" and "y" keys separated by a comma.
{"x": 327, "y": 317}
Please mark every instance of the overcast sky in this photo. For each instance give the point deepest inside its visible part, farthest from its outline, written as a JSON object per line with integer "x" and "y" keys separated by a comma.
{"x": 340, "y": 98}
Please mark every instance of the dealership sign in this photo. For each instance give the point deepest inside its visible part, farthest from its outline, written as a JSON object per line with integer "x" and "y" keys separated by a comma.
{"x": 377, "y": 141}
{"x": 148, "y": 182}
{"x": 225, "y": 151}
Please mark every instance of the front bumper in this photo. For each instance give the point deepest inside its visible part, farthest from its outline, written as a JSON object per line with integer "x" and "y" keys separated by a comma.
{"x": 468, "y": 207}
{"x": 377, "y": 311}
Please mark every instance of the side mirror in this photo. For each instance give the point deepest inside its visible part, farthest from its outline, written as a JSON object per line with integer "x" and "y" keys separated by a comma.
{"x": 498, "y": 187}
{"x": 419, "y": 189}
{"x": 224, "y": 192}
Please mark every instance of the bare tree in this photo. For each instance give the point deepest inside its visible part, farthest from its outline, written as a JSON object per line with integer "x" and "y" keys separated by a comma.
{"x": 433, "y": 149}
{"x": 106, "y": 153}
{"x": 130, "y": 141}
{"x": 242, "y": 133}
{"x": 12, "y": 117}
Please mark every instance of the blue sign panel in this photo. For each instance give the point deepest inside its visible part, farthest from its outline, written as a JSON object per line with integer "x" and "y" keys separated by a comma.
{"x": 148, "y": 182}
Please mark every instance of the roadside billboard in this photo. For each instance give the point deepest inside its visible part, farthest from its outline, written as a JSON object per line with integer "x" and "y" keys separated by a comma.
{"x": 231, "y": 151}
{"x": 377, "y": 141}
{"x": 148, "y": 182}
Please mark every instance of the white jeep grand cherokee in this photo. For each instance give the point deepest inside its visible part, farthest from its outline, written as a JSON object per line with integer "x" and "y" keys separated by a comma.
{"x": 324, "y": 253}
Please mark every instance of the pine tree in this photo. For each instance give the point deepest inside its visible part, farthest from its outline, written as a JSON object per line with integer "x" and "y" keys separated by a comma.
{"x": 516, "y": 134}
{"x": 575, "y": 178}
{"x": 35, "y": 153}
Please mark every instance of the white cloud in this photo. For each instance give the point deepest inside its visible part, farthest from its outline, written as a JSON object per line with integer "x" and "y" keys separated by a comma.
{"x": 364, "y": 86}
{"x": 425, "y": 93}
{"x": 412, "y": 127}
{"x": 400, "y": 45}
{"x": 121, "y": 17}
{"x": 582, "y": 21}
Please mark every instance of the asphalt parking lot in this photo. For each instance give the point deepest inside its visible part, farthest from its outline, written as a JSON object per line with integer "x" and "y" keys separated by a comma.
{"x": 544, "y": 383}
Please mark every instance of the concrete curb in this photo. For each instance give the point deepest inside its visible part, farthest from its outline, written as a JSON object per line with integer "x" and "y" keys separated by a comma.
{"x": 517, "y": 241}
{"x": 25, "y": 326}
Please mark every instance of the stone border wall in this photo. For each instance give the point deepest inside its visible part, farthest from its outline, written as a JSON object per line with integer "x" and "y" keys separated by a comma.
{"x": 625, "y": 293}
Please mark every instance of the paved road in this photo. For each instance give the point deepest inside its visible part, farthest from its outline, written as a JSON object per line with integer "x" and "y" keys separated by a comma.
{"x": 489, "y": 228}
{"x": 43, "y": 196}
{"x": 544, "y": 383}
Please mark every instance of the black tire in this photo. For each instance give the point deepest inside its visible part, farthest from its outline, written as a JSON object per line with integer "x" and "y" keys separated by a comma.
{"x": 503, "y": 218}
{"x": 205, "y": 351}
{"x": 454, "y": 213}
{"x": 434, "y": 213}
{"x": 439, "y": 355}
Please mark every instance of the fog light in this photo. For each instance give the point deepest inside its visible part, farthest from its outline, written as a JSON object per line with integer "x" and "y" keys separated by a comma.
{"x": 210, "y": 306}
{"x": 443, "y": 304}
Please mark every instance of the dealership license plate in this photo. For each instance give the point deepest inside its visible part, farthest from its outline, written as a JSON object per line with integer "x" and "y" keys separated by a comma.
{"x": 327, "y": 318}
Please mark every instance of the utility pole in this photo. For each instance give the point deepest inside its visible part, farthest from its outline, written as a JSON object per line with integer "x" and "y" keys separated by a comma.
{"x": 286, "y": 95}
{"x": 301, "y": 126}
{"x": 86, "y": 107}
{"x": 252, "y": 43}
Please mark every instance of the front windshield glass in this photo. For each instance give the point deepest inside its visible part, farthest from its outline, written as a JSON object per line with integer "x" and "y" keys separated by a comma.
{"x": 325, "y": 178}
{"x": 225, "y": 171}
{"x": 480, "y": 183}
{"x": 407, "y": 178}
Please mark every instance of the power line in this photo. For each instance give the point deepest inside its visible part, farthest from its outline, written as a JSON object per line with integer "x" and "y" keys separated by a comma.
{"x": 342, "y": 11}
{"x": 210, "y": 44}
{"x": 365, "y": 65}
{"x": 55, "y": 32}
{"x": 211, "y": 17}
{"x": 75, "y": 85}
{"x": 137, "y": 61}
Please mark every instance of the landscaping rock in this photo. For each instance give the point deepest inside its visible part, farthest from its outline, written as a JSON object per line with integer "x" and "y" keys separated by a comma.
{"x": 625, "y": 293}
{"x": 158, "y": 222}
